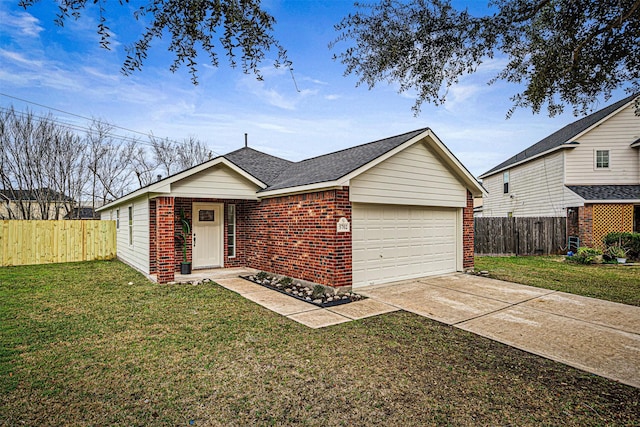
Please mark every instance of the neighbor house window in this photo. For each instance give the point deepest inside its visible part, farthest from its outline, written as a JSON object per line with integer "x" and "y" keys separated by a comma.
{"x": 131, "y": 225}
{"x": 118, "y": 219}
{"x": 602, "y": 159}
{"x": 231, "y": 231}
{"x": 505, "y": 182}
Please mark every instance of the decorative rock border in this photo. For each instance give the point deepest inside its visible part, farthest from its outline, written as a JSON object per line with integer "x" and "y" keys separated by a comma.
{"x": 319, "y": 295}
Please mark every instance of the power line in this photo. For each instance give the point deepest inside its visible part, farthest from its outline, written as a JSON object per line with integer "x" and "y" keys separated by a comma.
{"x": 77, "y": 127}
{"x": 87, "y": 129}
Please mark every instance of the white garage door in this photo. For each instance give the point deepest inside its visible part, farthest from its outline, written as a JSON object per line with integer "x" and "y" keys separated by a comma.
{"x": 392, "y": 243}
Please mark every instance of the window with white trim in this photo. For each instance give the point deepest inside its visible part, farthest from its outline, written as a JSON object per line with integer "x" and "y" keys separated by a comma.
{"x": 130, "y": 225}
{"x": 117, "y": 219}
{"x": 602, "y": 159}
{"x": 231, "y": 231}
{"x": 505, "y": 182}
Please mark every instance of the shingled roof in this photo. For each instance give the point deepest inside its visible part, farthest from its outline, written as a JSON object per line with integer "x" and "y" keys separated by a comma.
{"x": 563, "y": 136}
{"x": 263, "y": 166}
{"x": 606, "y": 192}
{"x": 278, "y": 173}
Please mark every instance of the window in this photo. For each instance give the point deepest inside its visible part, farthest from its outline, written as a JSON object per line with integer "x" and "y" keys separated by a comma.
{"x": 505, "y": 182}
{"x": 130, "y": 225}
{"x": 602, "y": 159}
{"x": 118, "y": 219}
{"x": 231, "y": 231}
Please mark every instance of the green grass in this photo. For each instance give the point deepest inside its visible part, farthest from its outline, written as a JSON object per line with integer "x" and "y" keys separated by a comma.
{"x": 80, "y": 346}
{"x": 611, "y": 282}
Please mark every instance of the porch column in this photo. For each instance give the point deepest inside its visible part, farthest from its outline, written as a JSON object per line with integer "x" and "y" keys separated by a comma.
{"x": 165, "y": 239}
{"x": 468, "y": 236}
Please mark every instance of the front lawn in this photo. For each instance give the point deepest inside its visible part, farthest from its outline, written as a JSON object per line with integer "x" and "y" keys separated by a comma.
{"x": 618, "y": 283}
{"x": 79, "y": 345}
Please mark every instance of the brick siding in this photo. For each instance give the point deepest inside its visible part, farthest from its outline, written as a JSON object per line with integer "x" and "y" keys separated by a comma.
{"x": 296, "y": 236}
{"x": 468, "y": 233}
{"x": 585, "y": 223}
{"x": 165, "y": 244}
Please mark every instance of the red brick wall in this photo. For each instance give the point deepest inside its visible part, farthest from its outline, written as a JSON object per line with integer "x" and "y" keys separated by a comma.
{"x": 296, "y": 236}
{"x": 585, "y": 223}
{"x": 467, "y": 233}
{"x": 165, "y": 245}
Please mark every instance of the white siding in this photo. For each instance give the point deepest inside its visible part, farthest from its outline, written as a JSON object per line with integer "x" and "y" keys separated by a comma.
{"x": 535, "y": 189}
{"x": 216, "y": 182}
{"x": 616, "y": 135}
{"x": 415, "y": 176}
{"x": 136, "y": 255}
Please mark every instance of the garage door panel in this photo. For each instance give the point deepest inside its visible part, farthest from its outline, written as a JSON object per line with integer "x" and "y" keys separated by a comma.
{"x": 393, "y": 243}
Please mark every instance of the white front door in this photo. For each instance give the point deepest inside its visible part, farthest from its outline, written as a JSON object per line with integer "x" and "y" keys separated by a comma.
{"x": 207, "y": 235}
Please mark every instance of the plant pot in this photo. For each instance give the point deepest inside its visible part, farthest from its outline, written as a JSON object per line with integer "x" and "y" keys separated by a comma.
{"x": 621, "y": 260}
{"x": 185, "y": 268}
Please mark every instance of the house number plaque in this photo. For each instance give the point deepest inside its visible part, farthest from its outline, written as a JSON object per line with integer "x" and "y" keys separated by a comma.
{"x": 343, "y": 225}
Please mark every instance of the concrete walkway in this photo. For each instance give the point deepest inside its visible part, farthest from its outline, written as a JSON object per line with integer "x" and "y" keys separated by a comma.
{"x": 597, "y": 336}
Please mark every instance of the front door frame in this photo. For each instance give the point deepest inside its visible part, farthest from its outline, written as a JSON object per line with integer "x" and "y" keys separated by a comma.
{"x": 218, "y": 209}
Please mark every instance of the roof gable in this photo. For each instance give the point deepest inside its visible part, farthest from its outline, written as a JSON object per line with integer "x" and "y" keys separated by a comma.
{"x": 333, "y": 166}
{"x": 563, "y": 136}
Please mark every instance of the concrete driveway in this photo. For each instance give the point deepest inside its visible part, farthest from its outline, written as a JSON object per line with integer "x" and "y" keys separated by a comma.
{"x": 597, "y": 336}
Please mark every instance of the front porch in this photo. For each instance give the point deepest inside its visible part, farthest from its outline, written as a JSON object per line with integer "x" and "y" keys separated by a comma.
{"x": 212, "y": 239}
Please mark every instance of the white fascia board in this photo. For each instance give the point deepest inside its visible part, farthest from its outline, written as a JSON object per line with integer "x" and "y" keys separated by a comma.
{"x": 320, "y": 186}
{"x": 565, "y": 146}
{"x": 427, "y": 135}
{"x": 163, "y": 187}
{"x": 444, "y": 153}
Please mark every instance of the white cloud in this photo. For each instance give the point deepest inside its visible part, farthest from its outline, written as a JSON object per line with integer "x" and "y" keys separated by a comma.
{"x": 17, "y": 57}
{"x": 332, "y": 97}
{"x": 23, "y": 23}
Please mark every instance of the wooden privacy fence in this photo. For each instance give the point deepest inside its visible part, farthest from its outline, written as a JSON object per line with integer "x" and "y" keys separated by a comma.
{"x": 43, "y": 242}
{"x": 520, "y": 236}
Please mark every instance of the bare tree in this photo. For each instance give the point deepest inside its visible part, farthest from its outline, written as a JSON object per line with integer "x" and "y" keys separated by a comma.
{"x": 109, "y": 162}
{"x": 190, "y": 152}
{"x": 39, "y": 161}
{"x": 173, "y": 156}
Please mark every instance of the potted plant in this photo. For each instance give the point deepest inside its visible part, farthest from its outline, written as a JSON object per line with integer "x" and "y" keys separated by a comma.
{"x": 619, "y": 253}
{"x": 183, "y": 235}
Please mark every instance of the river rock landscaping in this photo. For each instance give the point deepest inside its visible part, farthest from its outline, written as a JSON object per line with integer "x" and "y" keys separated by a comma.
{"x": 319, "y": 295}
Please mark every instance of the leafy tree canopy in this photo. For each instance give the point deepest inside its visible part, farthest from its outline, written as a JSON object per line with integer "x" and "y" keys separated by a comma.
{"x": 238, "y": 28}
{"x": 562, "y": 51}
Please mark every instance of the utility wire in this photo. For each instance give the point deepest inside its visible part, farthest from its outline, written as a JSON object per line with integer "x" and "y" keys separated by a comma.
{"x": 87, "y": 129}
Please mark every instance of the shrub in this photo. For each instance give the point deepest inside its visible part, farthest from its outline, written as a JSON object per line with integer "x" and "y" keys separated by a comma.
{"x": 586, "y": 255}
{"x": 262, "y": 275}
{"x": 285, "y": 281}
{"x": 629, "y": 241}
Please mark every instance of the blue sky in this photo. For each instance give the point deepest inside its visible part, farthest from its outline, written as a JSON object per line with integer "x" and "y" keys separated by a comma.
{"x": 65, "y": 68}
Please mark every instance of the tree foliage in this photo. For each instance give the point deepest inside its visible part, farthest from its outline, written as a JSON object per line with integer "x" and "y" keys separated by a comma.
{"x": 239, "y": 29}
{"x": 562, "y": 51}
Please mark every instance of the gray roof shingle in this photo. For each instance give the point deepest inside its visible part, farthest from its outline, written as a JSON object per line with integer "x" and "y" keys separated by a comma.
{"x": 278, "y": 173}
{"x": 260, "y": 165}
{"x": 562, "y": 136}
{"x": 606, "y": 192}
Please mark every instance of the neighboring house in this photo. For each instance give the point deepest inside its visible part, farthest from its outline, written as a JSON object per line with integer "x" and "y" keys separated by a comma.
{"x": 588, "y": 171}
{"x": 41, "y": 203}
{"x": 82, "y": 213}
{"x": 393, "y": 209}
